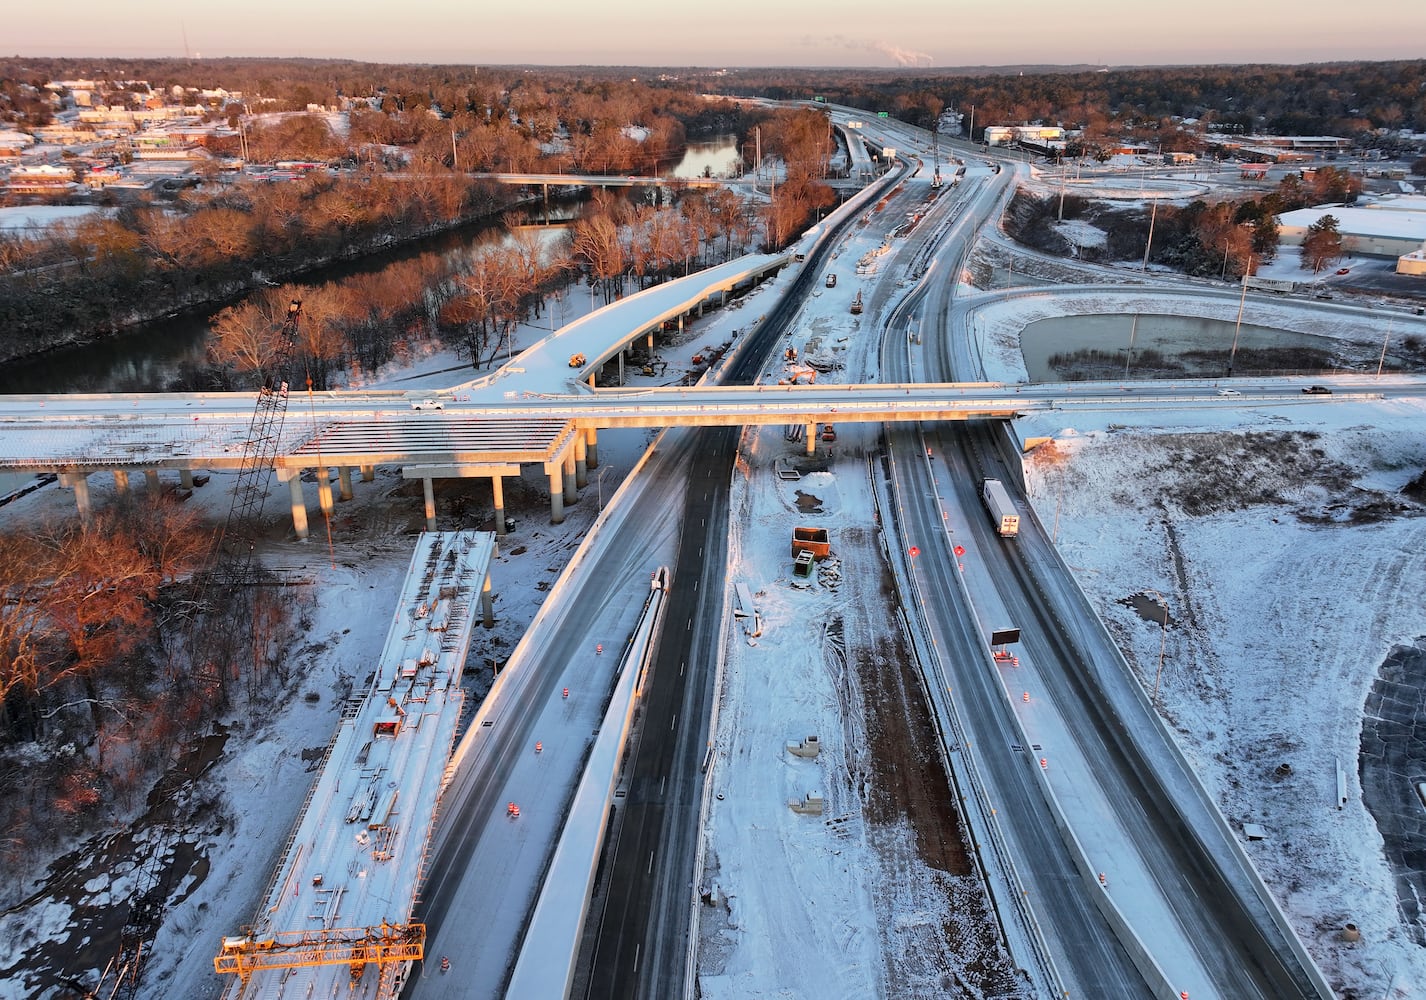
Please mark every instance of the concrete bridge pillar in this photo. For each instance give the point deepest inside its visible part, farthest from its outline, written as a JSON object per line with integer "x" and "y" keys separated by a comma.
{"x": 591, "y": 447}
{"x": 185, "y": 478}
{"x": 324, "y": 491}
{"x": 298, "y": 501}
{"x": 811, "y": 430}
{"x": 567, "y": 467}
{"x": 487, "y": 604}
{"x": 79, "y": 482}
{"x": 368, "y": 473}
{"x": 497, "y": 487}
{"x": 429, "y": 493}
{"x": 151, "y": 482}
{"x": 121, "y": 482}
{"x": 552, "y": 470}
{"x": 344, "y": 481}
{"x": 581, "y": 467}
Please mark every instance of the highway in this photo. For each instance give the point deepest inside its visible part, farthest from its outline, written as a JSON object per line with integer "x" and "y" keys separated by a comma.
{"x": 1184, "y": 886}
{"x": 1056, "y": 913}
{"x": 1205, "y": 927}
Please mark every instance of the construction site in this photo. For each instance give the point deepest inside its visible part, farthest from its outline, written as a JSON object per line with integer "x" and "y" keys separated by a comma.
{"x": 336, "y": 919}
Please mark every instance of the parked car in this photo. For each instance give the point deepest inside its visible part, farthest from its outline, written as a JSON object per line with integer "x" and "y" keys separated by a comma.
{"x": 1317, "y": 390}
{"x": 831, "y": 279}
{"x": 427, "y": 404}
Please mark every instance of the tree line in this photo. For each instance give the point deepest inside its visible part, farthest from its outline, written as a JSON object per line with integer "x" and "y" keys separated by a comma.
{"x": 1351, "y": 99}
{"x": 1220, "y": 239}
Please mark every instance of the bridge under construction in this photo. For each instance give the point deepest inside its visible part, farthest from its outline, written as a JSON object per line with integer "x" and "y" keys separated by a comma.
{"x": 336, "y": 919}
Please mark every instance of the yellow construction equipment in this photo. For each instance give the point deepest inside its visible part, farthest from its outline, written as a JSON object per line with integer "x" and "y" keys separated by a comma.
{"x": 355, "y": 946}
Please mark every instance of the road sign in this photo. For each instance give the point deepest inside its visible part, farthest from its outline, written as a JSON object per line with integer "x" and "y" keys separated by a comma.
{"x": 960, "y": 550}
{"x": 1000, "y": 636}
{"x": 914, "y": 551}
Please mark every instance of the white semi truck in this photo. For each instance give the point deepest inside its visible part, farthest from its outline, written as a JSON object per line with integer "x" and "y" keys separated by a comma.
{"x": 1002, "y": 511}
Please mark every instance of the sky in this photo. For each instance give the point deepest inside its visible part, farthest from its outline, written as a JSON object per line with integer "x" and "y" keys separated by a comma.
{"x": 732, "y": 33}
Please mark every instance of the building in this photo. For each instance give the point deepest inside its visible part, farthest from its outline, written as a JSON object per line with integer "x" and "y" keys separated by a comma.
{"x": 999, "y": 135}
{"x": 41, "y": 179}
{"x": 1378, "y": 231}
{"x": 1413, "y": 262}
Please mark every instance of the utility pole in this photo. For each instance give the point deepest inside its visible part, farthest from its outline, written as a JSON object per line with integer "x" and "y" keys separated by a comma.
{"x": 1242, "y": 301}
{"x": 1382, "y": 360}
{"x": 1150, "y": 241}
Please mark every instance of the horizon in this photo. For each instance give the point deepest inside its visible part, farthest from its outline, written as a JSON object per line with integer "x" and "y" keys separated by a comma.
{"x": 741, "y": 35}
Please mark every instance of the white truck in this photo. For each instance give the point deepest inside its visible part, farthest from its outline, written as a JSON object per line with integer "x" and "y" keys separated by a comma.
{"x": 1002, "y": 511}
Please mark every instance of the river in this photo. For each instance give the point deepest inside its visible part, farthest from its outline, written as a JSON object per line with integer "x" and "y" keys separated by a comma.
{"x": 150, "y": 357}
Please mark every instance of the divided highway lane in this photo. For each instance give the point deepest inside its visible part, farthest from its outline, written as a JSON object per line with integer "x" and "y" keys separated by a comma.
{"x": 1232, "y": 936}
{"x": 641, "y": 938}
{"x": 1085, "y": 950}
{"x": 1087, "y": 954}
{"x": 1223, "y": 928}
{"x": 485, "y": 868}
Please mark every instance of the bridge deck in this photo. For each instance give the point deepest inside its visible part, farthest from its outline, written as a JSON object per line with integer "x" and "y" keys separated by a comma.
{"x": 358, "y": 853}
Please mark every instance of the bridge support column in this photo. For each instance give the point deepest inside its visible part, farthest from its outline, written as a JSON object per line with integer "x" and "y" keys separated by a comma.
{"x": 651, "y": 342}
{"x": 567, "y": 469}
{"x": 811, "y": 430}
{"x": 368, "y": 473}
{"x": 591, "y": 447}
{"x": 299, "y": 502}
{"x": 79, "y": 482}
{"x": 593, "y": 382}
{"x": 185, "y": 478}
{"x": 121, "y": 483}
{"x": 324, "y": 491}
{"x": 487, "y": 604}
{"x": 151, "y": 482}
{"x": 497, "y": 487}
{"x": 430, "y": 494}
{"x": 581, "y": 467}
{"x": 552, "y": 470}
{"x": 623, "y": 378}
{"x": 344, "y": 481}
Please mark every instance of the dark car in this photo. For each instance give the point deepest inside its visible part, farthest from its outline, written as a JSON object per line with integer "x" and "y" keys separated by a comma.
{"x": 1317, "y": 390}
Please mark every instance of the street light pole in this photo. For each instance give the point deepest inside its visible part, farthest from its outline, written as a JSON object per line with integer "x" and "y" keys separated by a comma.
{"x": 1150, "y": 241}
{"x": 1382, "y": 360}
{"x": 1163, "y": 641}
{"x": 1242, "y": 301}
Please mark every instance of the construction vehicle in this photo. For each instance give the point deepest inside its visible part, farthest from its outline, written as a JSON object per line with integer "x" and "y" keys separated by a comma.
{"x": 1002, "y": 510}
{"x": 803, "y": 564}
{"x": 857, "y": 304}
{"x": 577, "y": 360}
{"x": 794, "y": 376}
{"x": 813, "y": 540}
{"x": 829, "y": 433}
{"x": 808, "y": 746}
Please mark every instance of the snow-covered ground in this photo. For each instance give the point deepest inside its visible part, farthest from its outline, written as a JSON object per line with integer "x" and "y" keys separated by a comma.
{"x": 1285, "y": 593}
{"x": 35, "y": 218}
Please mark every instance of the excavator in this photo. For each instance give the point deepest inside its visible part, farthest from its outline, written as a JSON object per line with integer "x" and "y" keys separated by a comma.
{"x": 795, "y": 376}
